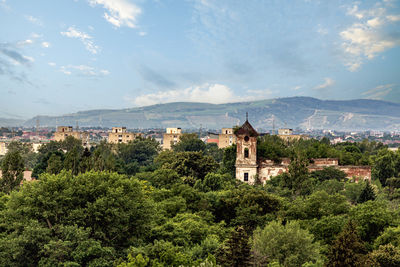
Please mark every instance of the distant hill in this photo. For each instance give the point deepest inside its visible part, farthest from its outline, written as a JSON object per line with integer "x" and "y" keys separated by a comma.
{"x": 5, "y": 122}
{"x": 293, "y": 112}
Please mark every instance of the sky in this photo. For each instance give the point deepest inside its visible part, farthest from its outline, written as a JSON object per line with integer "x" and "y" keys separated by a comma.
{"x": 64, "y": 56}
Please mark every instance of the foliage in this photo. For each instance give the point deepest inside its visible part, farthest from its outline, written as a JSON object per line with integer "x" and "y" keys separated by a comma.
{"x": 347, "y": 249}
{"x": 100, "y": 209}
{"x": 229, "y": 160}
{"x": 141, "y": 151}
{"x": 317, "y": 205}
{"x": 367, "y": 193}
{"x": 385, "y": 256}
{"x": 189, "y": 142}
{"x": 12, "y": 168}
{"x": 190, "y": 164}
{"x": 371, "y": 217}
{"x": 236, "y": 250}
{"x": 287, "y": 244}
{"x": 133, "y": 205}
{"x": 328, "y": 173}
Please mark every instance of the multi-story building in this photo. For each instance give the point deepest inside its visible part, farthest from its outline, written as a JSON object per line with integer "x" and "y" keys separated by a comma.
{"x": 226, "y": 138}
{"x": 172, "y": 136}
{"x": 120, "y": 135}
{"x": 65, "y": 131}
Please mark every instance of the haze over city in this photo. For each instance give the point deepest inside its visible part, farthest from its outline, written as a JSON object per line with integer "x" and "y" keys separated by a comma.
{"x": 64, "y": 56}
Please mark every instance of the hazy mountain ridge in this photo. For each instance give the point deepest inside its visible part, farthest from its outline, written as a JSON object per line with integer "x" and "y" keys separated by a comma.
{"x": 303, "y": 112}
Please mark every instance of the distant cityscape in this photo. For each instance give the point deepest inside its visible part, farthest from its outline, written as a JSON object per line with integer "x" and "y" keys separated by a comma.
{"x": 224, "y": 137}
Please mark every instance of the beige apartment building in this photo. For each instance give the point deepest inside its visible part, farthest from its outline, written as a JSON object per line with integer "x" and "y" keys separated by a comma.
{"x": 119, "y": 135}
{"x": 171, "y": 136}
{"x": 226, "y": 138}
{"x": 65, "y": 131}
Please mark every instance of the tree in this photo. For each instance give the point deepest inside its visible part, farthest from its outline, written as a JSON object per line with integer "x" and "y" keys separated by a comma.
{"x": 70, "y": 143}
{"x": 189, "y": 142}
{"x": 66, "y": 218}
{"x": 328, "y": 173}
{"x": 190, "y": 164}
{"x": 347, "y": 249}
{"x": 371, "y": 217}
{"x": 229, "y": 160}
{"x": 55, "y": 164}
{"x": 385, "y": 256}
{"x": 72, "y": 160}
{"x": 236, "y": 252}
{"x": 287, "y": 244}
{"x": 384, "y": 166}
{"x": 367, "y": 193}
{"x": 140, "y": 151}
{"x": 12, "y": 171}
{"x": 297, "y": 179}
{"x": 391, "y": 235}
{"x": 317, "y": 205}
{"x": 26, "y": 151}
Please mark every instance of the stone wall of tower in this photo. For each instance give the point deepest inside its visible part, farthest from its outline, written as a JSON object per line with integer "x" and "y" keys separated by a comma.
{"x": 246, "y": 142}
{"x": 246, "y": 167}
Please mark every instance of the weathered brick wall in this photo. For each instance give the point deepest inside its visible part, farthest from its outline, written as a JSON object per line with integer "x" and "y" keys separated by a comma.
{"x": 326, "y": 162}
{"x": 359, "y": 172}
{"x": 268, "y": 169}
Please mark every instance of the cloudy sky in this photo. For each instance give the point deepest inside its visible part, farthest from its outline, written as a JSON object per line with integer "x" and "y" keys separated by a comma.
{"x": 63, "y": 56}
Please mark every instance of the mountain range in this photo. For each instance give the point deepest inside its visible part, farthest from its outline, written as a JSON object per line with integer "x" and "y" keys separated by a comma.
{"x": 290, "y": 112}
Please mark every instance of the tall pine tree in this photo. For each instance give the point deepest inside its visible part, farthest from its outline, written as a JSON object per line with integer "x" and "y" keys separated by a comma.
{"x": 367, "y": 194}
{"x": 236, "y": 252}
{"x": 348, "y": 248}
{"x": 12, "y": 171}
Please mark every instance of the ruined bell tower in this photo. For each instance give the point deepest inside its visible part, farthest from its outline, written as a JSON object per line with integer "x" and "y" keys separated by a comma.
{"x": 246, "y": 154}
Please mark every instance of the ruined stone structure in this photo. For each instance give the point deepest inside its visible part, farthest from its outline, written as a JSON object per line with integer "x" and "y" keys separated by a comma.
{"x": 249, "y": 168}
{"x": 120, "y": 135}
{"x": 172, "y": 136}
{"x": 65, "y": 131}
{"x": 226, "y": 138}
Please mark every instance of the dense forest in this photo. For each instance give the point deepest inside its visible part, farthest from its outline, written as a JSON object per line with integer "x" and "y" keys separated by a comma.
{"x": 135, "y": 205}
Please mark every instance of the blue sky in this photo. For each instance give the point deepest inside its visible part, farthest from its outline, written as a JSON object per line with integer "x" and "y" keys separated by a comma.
{"x": 64, "y": 56}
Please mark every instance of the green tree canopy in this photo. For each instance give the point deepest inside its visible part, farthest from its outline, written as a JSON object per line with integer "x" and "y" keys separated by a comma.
{"x": 189, "y": 142}
{"x": 347, "y": 249}
{"x": 64, "y": 215}
{"x": 287, "y": 244}
{"x": 12, "y": 168}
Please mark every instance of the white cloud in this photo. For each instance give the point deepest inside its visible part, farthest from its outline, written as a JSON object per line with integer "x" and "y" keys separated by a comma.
{"x": 25, "y": 42}
{"x": 120, "y": 12}
{"x": 367, "y": 37}
{"x": 35, "y": 35}
{"x": 327, "y": 83}
{"x": 83, "y": 70}
{"x": 142, "y": 33}
{"x": 298, "y": 87}
{"x": 45, "y": 44}
{"x": 206, "y": 93}
{"x": 393, "y": 18}
{"x": 375, "y": 22}
{"x": 65, "y": 71}
{"x": 34, "y": 20}
{"x": 379, "y": 92}
{"x": 209, "y": 93}
{"x": 85, "y": 38}
{"x": 52, "y": 64}
{"x": 104, "y": 72}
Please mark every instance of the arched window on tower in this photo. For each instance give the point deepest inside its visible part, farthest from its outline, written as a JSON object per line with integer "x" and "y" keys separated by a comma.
{"x": 246, "y": 152}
